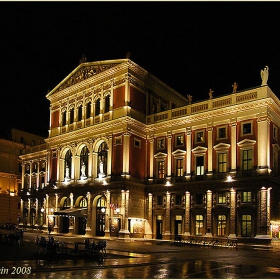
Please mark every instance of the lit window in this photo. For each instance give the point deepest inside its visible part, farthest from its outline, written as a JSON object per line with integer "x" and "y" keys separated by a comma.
{"x": 222, "y": 225}
{"x": 246, "y": 225}
{"x": 161, "y": 143}
{"x": 247, "y": 197}
{"x": 222, "y": 162}
{"x": 179, "y": 140}
{"x": 221, "y": 198}
{"x": 199, "y": 136}
{"x": 179, "y": 167}
{"x": 247, "y": 159}
{"x": 200, "y": 165}
{"x": 161, "y": 169}
{"x": 198, "y": 224}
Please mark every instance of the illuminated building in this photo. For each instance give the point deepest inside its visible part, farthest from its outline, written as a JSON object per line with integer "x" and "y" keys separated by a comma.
{"x": 11, "y": 148}
{"x": 128, "y": 156}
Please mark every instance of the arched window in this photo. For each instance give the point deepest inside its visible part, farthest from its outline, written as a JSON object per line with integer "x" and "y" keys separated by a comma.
{"x": 80, "y": 113}
{"x": 88, "y": 112}
{"x": 84, "y": 161}
{"x": 97, "y": 107}
{"x": 66, "y": 203}
{"x": 67, "y": 164}
{"x": 72, "y": 115}
{"x": 102, "y": 159}
{"x": 107, "y": 103}
{"x": 64, "y": 118}
{"x": 83, "y": 203}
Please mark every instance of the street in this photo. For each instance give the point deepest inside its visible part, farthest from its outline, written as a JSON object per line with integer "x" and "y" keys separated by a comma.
{"x": 140, "y": 259}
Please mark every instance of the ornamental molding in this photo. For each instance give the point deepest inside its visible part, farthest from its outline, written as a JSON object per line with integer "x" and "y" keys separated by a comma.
{"x": 221, "y": 146}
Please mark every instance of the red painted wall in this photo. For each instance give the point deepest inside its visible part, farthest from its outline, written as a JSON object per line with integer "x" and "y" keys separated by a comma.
{"x": 137, "y": 100}
{"x": 55, "y": 119}
{"x": 117, "y": 158}
{"x": 119, "y": 96}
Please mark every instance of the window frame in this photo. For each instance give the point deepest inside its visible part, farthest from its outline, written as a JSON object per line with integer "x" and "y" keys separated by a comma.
{"x": 197, "y": 133}
{"x": 242, "y": 128}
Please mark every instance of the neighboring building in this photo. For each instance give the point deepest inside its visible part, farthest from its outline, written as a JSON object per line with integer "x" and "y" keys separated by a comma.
{"x": 128, "y": 156}
{"x": 10, "y": 172}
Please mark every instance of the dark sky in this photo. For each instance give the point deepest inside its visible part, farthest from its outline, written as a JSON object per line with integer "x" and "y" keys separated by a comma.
{"x": 191, "y": 46}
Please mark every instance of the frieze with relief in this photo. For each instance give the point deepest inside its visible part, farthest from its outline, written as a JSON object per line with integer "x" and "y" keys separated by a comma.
{"x": 85, "y": 73}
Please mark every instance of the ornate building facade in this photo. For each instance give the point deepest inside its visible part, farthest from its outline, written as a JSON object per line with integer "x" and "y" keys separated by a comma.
{"x": 128, "y": 156}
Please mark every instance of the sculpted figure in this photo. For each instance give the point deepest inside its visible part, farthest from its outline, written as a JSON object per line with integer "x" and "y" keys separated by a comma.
{"x": 234, "y": 87}
{"x": 211, "y": 93}
{"x": 264, "y": 75}
{"x": 83, "y": 170}
{"x": 101, "y": 167}
{"x": 189, "y": 98}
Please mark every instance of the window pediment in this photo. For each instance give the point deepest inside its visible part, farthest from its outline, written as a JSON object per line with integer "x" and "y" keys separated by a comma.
{"x": 221, "y": 147}
{"x": 246, "y": 143}
{"x": 179, "y": 152}
{"x": 160, "y": 155}
{"x": 199, "y": 150}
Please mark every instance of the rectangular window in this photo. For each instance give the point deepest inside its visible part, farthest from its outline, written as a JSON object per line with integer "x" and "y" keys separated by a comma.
{"x": 247, "y": 128}
{"x": 247, "y": 197}
{"x": 200, "y": 165}
{"x": 198, "y": 224}
{"x": 161, "y": 169}
{"x": 222, "y": 225}
{"x": 137, "y": 143}
{"x": 161, "y": 143}
{"x": 179, "y": 167}
{"x": 159, "y": 200}
{"x": 80, "y": 113}
{"x": 247, "y": 159}
{"x": 178, "y": 199}
{"x": 275, "y": 132}
{"x": 88, "y": 110}
{"x": 221, "y": 198}
{"x": 246, "y": 225}
{"x": 118, "y": 140}
{"x": 222, "y": 162}
{"x": 222, "y": 132}
{"x": 72, "y": 115}
{"x": 180, "y": 140}
{"x": 199, "y": 136}
{"x": 64, "y": 118}
{"x": 199, "y": 198}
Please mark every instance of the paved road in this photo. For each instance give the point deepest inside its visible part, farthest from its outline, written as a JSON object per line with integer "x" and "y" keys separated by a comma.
{"x": 140, "y": 260}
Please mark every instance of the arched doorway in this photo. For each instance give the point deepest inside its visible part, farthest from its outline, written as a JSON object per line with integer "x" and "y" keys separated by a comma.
{"x": 100, "y": 216}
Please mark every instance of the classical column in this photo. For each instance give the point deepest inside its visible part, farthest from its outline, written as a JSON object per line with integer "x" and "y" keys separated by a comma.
{"x": 189, "y": 153}
{"x": 233, "y": 146}
{"x": 263, "y": 144}
{"x": 55, "y": 228}
{"x": 187, "y": 227}
{"x": 232, "y": 213}
{"x": 90, "y": 161}
{"x": 264, "y": 212}
{"x": 36, "y": 213}
{"x": 151, "y": 173}
{"x": 123, "y": 213}
{"x": 166, "y": 235}
{"x": 21, "y": 212}
{"x": 107, "y": 214}
{"x": 28, "y": 213}
{"x": 149, "y": 232}
{"x": 210, "y": 150}
{"x": 169, "y": 154}
{"x": 22, "y": 175}
{"x": 88, "y": 225}
{"x": 126, "y": 151}
{"x": 109, "y": 158}
{"x": 209, "y": 213}
{"x": 71, "y": 219}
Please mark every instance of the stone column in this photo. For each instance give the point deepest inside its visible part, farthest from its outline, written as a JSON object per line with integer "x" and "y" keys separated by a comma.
{"x": 123, "y": 232}
{"x": 232, "y": 218}
{"x": 189, "y": 154}
{"x": 22, "y": 175}
{"x": 210, "y": 150}
{"x": 149, "y": 224}
{"x": 88, "y": 225}
{"x": 233, "y": 147}
{"x": 21, "y": 212}
{"x": 126, "y": 150}
{"x": 187, "y": 227}
{"x": 264, "y": 209}
{"x": 107, "y": 214}
{"x": 55, "y": 228}
{"x": 166, "y": 235}
{"x": 151, "y": 173}
{"x": 169, "y": 155}
{"x": 36, "y": 213}
{"x": 71, "y": 220}
{"x": 109, "y": 158}
{"x": 209, "y": 213}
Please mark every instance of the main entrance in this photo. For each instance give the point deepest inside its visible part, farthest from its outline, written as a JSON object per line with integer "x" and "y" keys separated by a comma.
{"x": 100, "y": 216}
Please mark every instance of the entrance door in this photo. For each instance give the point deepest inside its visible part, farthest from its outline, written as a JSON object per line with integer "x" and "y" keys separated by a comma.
{"x": 100, "y": 223}
{"x": 159, "y": 229}
{"x": 82, "y": 222}
{"x": 178, "y": 227}
{"x": 65, "y": 224}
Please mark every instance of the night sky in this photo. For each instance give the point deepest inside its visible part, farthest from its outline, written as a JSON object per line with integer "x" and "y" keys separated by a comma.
{"x": 191, "y": 46}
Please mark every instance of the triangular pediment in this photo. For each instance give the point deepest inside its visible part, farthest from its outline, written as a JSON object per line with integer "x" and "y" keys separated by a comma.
{"x": 221, "y": 146}
{"x": 199, "y": 149}
{"x": 85, "y": 71}
{"x": 246, "y": 142}
{"x": 160, "y": 155}
{"x": 179, "y": 152}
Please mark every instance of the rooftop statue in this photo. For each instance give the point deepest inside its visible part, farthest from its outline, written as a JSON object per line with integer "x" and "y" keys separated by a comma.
{"x": 189, "y": 98}
{"x": 234, "y": 87}
{"x": 211, "y": 93}
{"x": 264, "y": 75}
